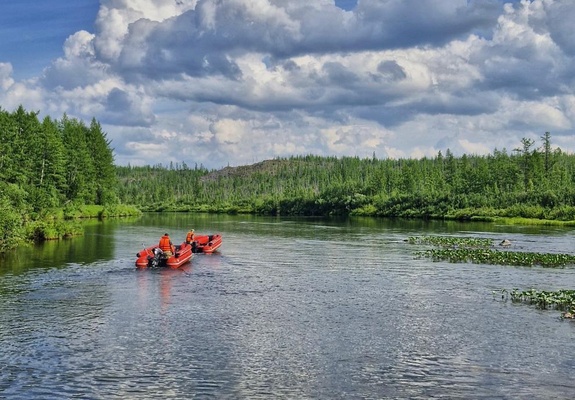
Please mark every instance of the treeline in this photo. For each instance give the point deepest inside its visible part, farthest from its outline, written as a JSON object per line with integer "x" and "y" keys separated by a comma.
{"x": 529, "y": 182}
{"x": 50, "y": 169}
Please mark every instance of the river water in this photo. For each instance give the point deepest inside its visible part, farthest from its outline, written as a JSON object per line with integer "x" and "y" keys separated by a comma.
{"x": 286, "y": 309}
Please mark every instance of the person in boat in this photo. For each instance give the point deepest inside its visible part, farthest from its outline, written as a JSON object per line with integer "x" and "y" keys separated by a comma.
{"x": 190, "y": 236}
{"x": 191, "y": 239}
{"x": 166, "y": 245}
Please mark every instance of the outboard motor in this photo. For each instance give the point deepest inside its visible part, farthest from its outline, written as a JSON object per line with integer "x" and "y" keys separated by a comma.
{"x": 156, "y": 260}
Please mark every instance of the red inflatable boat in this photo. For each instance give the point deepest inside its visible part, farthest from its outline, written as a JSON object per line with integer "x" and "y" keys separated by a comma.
{"x": 206, "y": 243}
{"x": 153, "y": 257}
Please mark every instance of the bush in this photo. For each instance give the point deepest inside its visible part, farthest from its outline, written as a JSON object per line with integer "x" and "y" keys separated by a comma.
{"x": 11, "y": 223}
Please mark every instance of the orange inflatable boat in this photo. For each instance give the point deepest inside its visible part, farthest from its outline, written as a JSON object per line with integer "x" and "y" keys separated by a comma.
{"x": 206, "y": 243}
{"x": 153, "y": 257}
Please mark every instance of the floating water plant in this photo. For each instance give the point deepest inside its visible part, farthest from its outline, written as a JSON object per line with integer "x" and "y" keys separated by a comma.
{"x": 481, "y": 251}
{"x": 451, "y": 241}
{"x": 490, "y": 256}
{"x": 563, "y": 300}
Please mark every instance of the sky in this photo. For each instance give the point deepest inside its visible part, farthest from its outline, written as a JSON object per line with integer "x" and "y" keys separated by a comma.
{"x": 234, "y": 82}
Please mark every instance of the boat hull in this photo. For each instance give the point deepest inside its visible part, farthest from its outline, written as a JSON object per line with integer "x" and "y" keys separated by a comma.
{"x": 148, "y": 257}
{"x": 206, "y": 243}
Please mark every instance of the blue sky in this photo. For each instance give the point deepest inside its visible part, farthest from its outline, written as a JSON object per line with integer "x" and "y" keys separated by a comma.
{"x": 234, "y": 82}
{"x": 33, "y": 31}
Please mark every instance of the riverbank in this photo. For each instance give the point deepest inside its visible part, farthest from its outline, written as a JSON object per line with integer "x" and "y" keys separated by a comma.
{"x": 58, "y": 223}
{"x": 65, "y": 222}
{"x": 537, "y": 216}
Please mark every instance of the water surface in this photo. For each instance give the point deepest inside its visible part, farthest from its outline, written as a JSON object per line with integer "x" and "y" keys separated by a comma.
{"x": 288, "y": 308}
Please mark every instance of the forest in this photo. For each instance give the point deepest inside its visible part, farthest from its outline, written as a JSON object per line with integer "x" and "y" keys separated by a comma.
{"x": 531, "y": 182}
{"x": 52, "y": 171}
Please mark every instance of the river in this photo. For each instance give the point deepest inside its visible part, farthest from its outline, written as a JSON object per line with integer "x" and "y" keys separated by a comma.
{"x": 288, "y": 308}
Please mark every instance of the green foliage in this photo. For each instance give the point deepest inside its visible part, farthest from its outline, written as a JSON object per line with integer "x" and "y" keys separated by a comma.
{"x": 80, "y": 168}
{"x": 56, "y": 162}
{"x": 118, "y": 210}
{"x": 51, "y": 165}
{"x": 106, "y": 181}
{"x": 52, "y": 229}
{"x": 65, "y": 165}
{"x": 563, "y": 299}
{"x": 529, "y": 183}
{"x": 10, "y": 225}
{"x": 480, "y": 251}
{"x": 451, "y": 241}
{"x": 492, "y": 256}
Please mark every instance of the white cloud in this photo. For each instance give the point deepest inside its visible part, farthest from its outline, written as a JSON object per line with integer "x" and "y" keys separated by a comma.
{"x": 542, "y": 115}
{"x": 6, "y": 80}
{"x": 116, "y": 16}
{"x": 232, "y": 82}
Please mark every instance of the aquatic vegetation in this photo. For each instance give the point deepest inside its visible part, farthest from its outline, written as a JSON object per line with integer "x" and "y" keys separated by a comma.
{"x": 563, "y": 300}
{"x": 452, "y": 241}
{"x": 491, "y": 256}
{"x": 481, "y": 251}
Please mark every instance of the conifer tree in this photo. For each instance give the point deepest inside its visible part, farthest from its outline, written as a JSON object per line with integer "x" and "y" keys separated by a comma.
{"x": 80, "y": 170}
{"x": 47, "y": 176}
{"x": 106, "y": 182}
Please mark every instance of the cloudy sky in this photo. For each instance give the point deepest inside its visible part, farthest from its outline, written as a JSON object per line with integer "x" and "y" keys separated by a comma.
{"x": 234, "y": 82}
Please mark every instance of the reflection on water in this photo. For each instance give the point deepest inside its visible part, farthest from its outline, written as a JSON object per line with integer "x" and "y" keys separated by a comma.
{"x": 95, "y": 245}
{"x": 288, "y": 308}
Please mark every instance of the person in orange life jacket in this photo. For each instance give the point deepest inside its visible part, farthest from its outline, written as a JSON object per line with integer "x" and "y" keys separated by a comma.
{"x": 190, "y": 236}
{"x": 166, "y": 245}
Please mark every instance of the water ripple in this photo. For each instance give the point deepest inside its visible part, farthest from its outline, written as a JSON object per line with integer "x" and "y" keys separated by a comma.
{"x": 345, "y": 314}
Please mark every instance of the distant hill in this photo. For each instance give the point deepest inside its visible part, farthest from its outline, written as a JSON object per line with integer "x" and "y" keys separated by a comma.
{"x": 530, "y": 183}
{"x": 269, "y": 167}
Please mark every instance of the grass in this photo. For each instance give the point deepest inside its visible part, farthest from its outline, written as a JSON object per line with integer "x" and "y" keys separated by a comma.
{"x": 530, "y": 221}
{"x": 96, "y": 211}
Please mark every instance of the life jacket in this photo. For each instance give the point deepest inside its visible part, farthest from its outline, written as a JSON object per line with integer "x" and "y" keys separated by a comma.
{"x": 165, "y": 243}
{"x": 190, "y": 237}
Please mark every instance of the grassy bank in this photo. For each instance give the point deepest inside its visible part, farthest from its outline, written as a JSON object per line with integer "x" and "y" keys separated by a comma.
{"x": 498, "y": 216}
{"x": 55, "y": 224}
